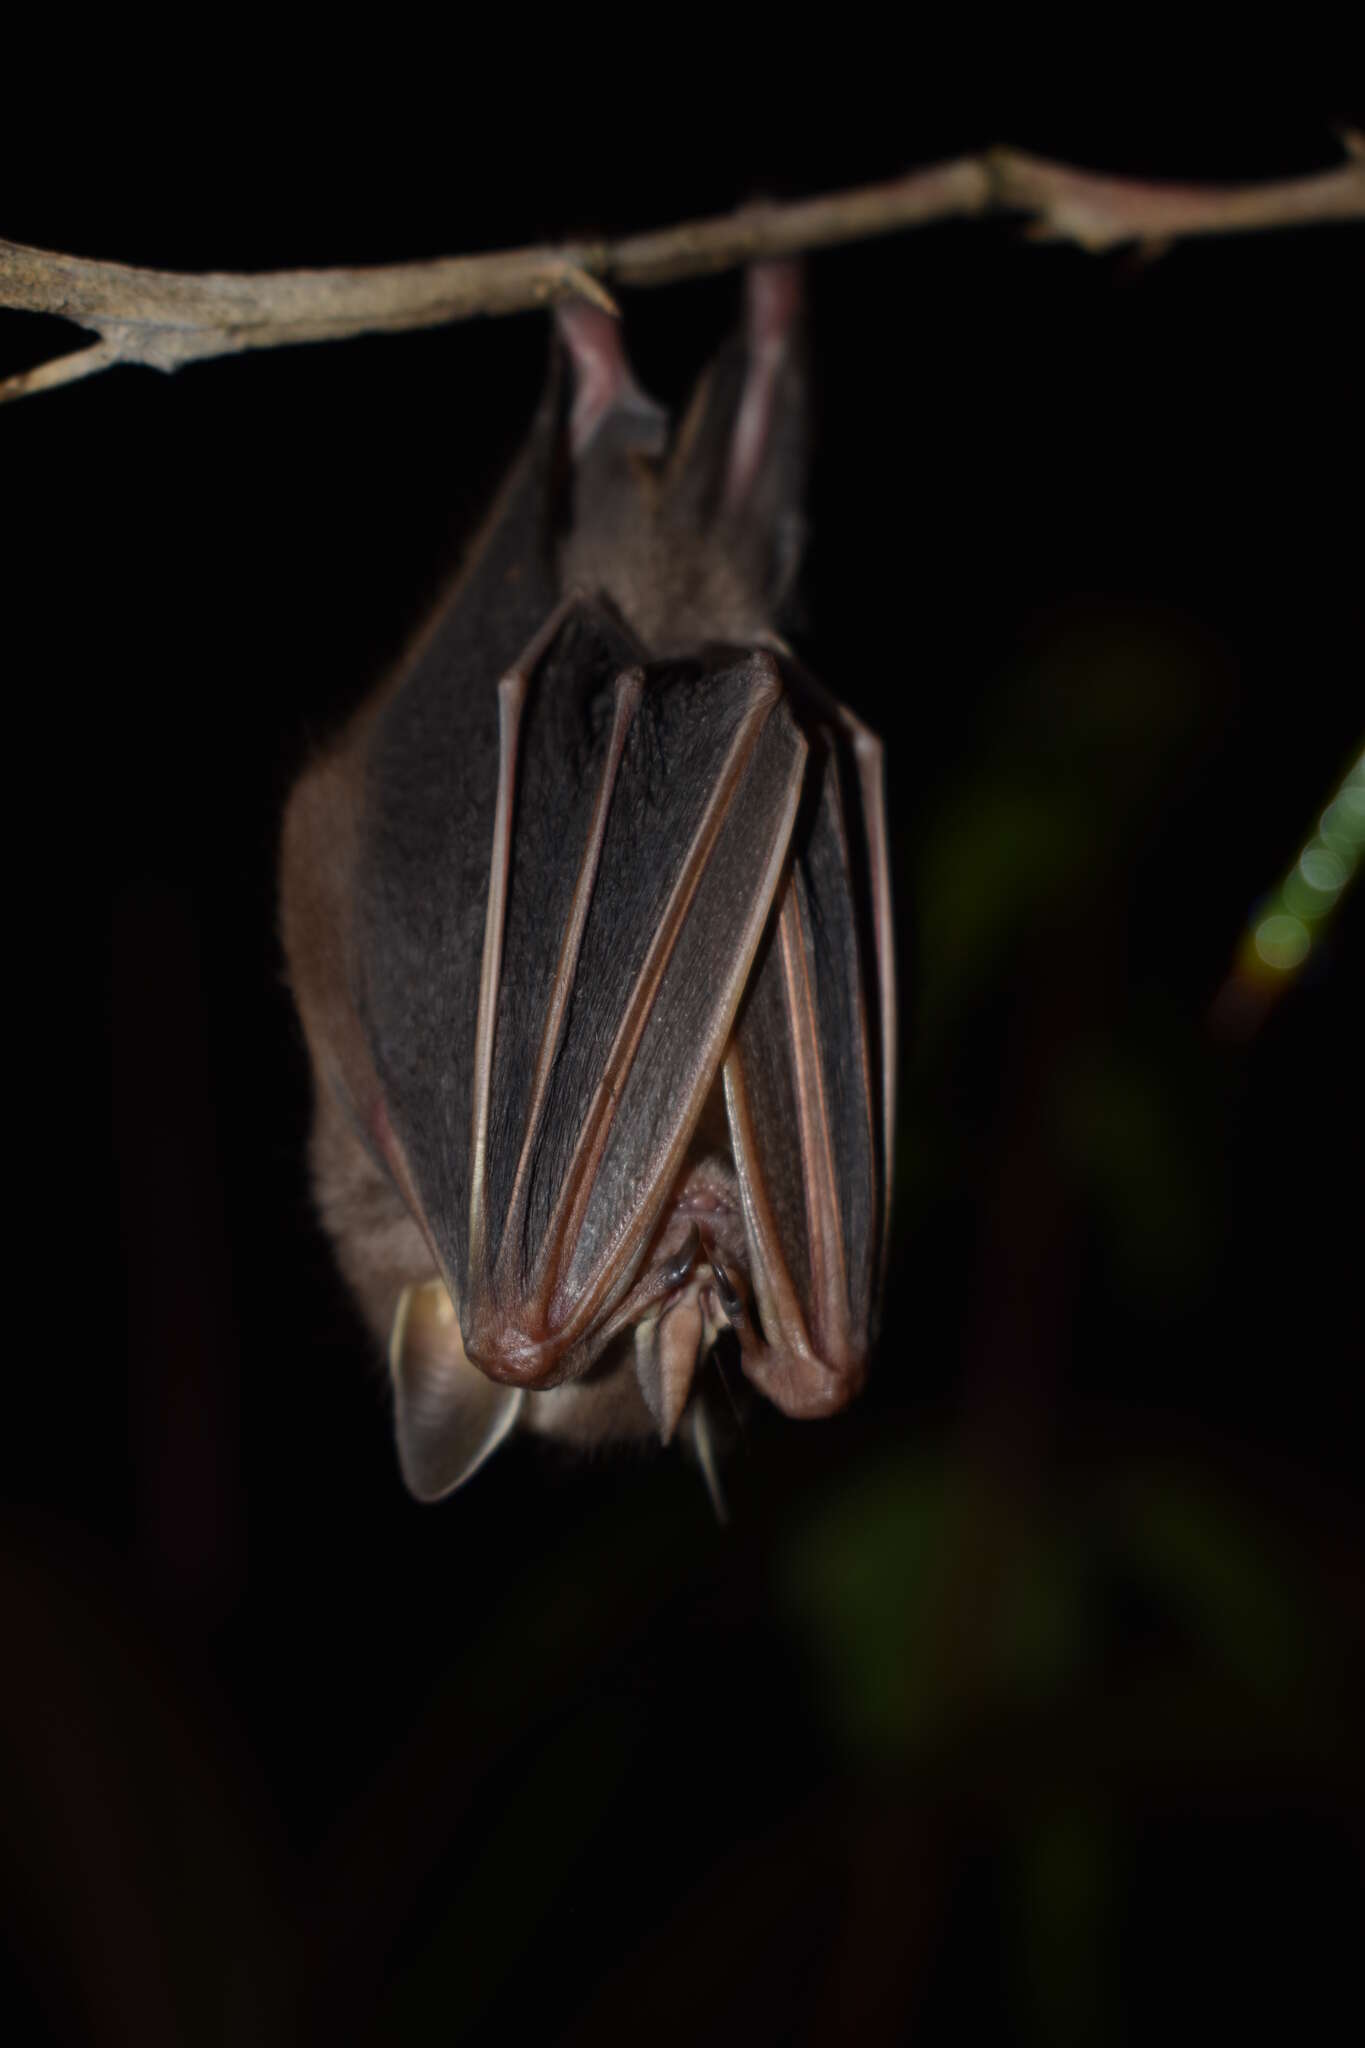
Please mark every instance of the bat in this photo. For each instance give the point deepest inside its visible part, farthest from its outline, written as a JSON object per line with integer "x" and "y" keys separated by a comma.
{"x": 587, "y": 917}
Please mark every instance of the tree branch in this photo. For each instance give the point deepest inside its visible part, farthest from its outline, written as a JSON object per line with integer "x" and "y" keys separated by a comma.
{"x": 163, "y": 319}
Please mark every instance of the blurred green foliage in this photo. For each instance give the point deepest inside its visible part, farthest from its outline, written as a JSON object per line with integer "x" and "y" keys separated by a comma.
{"x": 966, "y": 1643}
{"x": 1130, "y": 1145}
{"x": 919, "y": 1556}
{"x": 1061, "y": 1642}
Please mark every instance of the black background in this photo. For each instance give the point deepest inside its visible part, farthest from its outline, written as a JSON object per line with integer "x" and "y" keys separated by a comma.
{"x": 1027, "y": 1694}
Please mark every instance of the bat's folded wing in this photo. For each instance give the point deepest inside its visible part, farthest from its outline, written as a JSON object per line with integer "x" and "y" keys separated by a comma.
{"x": 807, "y": 1084}
{"x": 643, "y": 814}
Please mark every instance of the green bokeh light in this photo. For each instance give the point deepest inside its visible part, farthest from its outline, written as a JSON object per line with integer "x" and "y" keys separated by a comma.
{"x": 1322, "y": 869}
{"x": 1343, "y": 822}
{"x": 1282, "y": 941}
{"x": 1282, "y": 929}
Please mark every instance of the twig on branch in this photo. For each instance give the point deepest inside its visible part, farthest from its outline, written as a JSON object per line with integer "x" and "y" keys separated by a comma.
{"x": 163, "y": 318}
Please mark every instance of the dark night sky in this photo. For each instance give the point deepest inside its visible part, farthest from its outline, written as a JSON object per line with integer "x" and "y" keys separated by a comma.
{"x": 295, "y": 1759}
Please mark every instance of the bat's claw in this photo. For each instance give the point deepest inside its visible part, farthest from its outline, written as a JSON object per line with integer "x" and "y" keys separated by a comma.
{"x": 730, "y": 1302}
{"x": 676, "y": 1274}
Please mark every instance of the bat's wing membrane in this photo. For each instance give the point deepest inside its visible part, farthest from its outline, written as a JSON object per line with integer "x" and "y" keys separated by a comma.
{"x": 807, "y": 1082}
{"x": 427, "y": 824}
{"x": 643, "y": 818}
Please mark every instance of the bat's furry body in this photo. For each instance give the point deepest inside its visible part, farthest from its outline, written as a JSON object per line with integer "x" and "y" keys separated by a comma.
{"x": 588, "y": 923}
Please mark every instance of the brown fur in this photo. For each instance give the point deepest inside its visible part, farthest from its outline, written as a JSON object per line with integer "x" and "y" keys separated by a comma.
{"x": 378, "y": 1245}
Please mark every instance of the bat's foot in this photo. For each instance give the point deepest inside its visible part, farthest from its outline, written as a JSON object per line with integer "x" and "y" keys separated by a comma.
{"x": 604, "y": 383}
{"x": 772, "y": 312}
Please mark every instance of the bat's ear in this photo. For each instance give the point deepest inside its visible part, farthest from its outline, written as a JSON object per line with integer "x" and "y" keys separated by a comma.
{"x": 449, "y": 1418}
{"x": 739, "y": 463}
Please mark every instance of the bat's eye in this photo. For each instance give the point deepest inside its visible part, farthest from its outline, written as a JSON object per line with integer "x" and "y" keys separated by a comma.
{"x": 449, "y": 1417}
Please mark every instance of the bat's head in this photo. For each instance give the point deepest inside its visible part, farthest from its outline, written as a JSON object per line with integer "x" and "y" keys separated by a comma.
{"x": 588, "y": 923}
{"x": 695, "y": 536}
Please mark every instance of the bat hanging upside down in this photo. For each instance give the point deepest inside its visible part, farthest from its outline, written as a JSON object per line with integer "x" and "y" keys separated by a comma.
{"x": 587, "y": 917}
